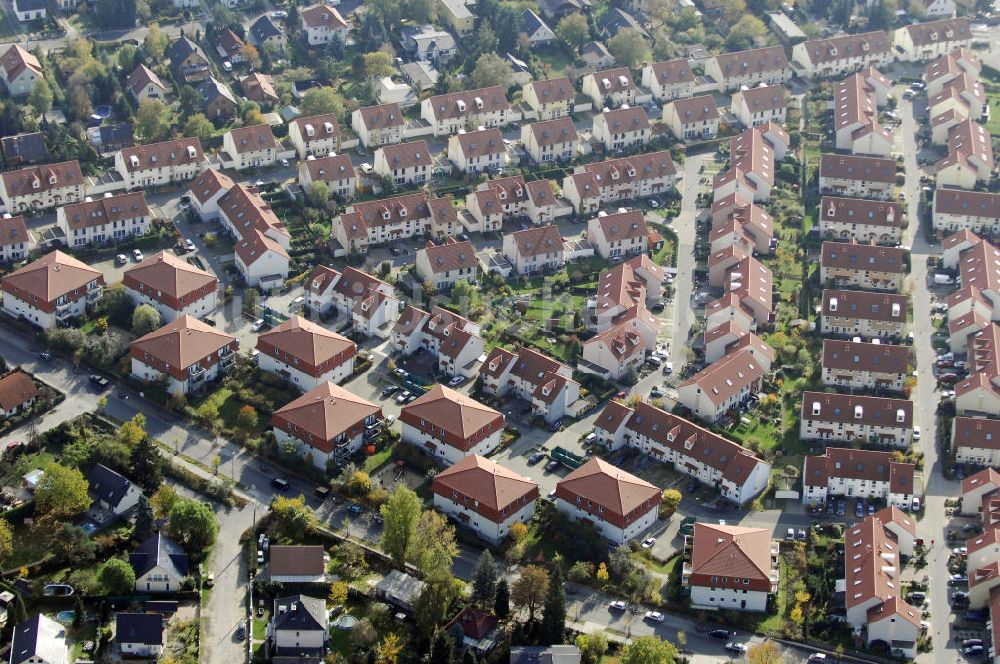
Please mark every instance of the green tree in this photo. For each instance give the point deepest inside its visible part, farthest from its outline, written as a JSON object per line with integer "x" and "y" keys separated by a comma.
{"x": 767, "y": 652}
{"x": 484, "y": 582}
{"x": 338, "y": 593}
{"x": 71, "y": 545}
{"x": 400, "y": 515}
{"x": 669, "y": 501}
{"x": 359, "y": 483}
{"x": 318, "y": 193}
{"x": 117, "y": 577}
{"x": 421, "y": 11}
{"x": 491, "y": 70}
{"x": 378, "y": 64}
{"x": 592, "y": 647}
{"x": 573, "y": 30}
{"x": 189, "y": 101}
{"x": 250, "y": 113}
{"x": 501, "y": 606}
{"x": 132, "y": 432}
{"x": 155, "y": 44}
{"x": 145, "y": 525}
{"x": 529, "y": 589}
{"x": 251, "y": 298}
{"x": 629, "y": 47}
{"x": 745, "y": 33}
{"x": 318, "y": 101}
{"x": 40, "y": 98}
{"x": 146, "y": 464}
{"x": 553, "y": 631}
{"x": 6, "y": 539}
{"x": 246, "y": 419}
{"x": 145, "y": 319}
{"x": 62, "y": 492}
{"x": 152, "y": 120}
{"x": 163, "y": 501}
{"x": 199, "y": 126}
{"x": 192, "y": 524}
{"x": 442, "y": 648}
{"x": 292, "y": 517}
{"x": 433, "y": 547}
{"x": 648, "y": 650}
{"x": 433, "y": 606}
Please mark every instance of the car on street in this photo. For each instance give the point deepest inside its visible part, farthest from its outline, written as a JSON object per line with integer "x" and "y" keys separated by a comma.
{"x": 841, "y": 507}
{"x": 260, "y": 557}
{"x": 279, "y": 14}
{"x": 284, "y": 163}
{"x": 817, "y": 657}
{"x": 735, "y": 646}
{"x": 721, "y": 633}
{"x": 859, "y": 509}
{"x": 960, "y": 551}
{"x": 456, "y": 381}
{"x": 99, "y": 381}
{"x": 960, "y": 598}
{"x": 45, "y": 356}
{"x": 555, "y": 426}
{"x": 403, "y": 397}
{"x": 831, "y": 508}
{"x": 188, "y": 244}
{"x": 389, "y": 390}
{"x": 915, "y": 504}
{"x": 957, "y": 579}
{"x": 916, "y": 432}
{"x": 210, "y": 579}
{"x": 121, "y": 259}
{"x": 655, "y": 393}
{"x": 871, "y": 508}
{"x": 591, "y": 437}
{"x": 241, "y": 632}
{"x": 535, "y": 458}
{"x": 968, "y": 643}
{"x": 801, "y": 535}
{"x": 551, "y": 466}
{"x": 137, "y": 255}
{"x": 617, "y": 605}
{"x": 648, "y": 542}
{"x": 654, "y": 616}
{"x": 668, "y": 368}
{"x": 973, "y": 651}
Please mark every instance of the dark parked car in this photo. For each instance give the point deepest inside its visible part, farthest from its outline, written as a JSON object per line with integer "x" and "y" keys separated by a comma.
{"x": 354, "y": 510}
{"x": 721, "y": 633}
{"x": 841, "y": 508}
{"x": 555, "y": 425}
{"x": 99, "y": 381}
{"x": 279, "y": 483}
{"x": 831, "y": 508}
{"x": 551, "y": 466}
{"x": 535, "y": 458}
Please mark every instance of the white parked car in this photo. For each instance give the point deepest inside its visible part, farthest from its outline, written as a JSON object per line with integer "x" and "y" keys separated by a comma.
{"x": 456, "y": 380}
{"x": 654, "y": 616}
{"x": 257, "y": 325}
{"x": 648, "y": 542}
{"x": 916, "y": 432}
{"x": 137, "y": 255}
{"x": 618, "y": 605}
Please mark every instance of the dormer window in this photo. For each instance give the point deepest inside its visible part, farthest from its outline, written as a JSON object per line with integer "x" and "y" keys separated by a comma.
{"x": 900, "y": 415}
{"x": 858, "y": 412}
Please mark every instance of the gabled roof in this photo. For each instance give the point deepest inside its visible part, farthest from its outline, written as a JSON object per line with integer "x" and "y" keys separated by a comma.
{"x": 460, "y": 104}
{"x": 695, "y": 109}
{"x": 45, "y": 177}
{"x": 40, "y": 638}
{"x": 322, "y": 15}
{"x": 144, "y": 628}
{"x": 299, "y": 560}
{"x": 672, "y": 72}
{"x": 13, "y": 230}
{"x": 873, "y": 169}
{"x": 450, "y": 255}
{"x": 140, "y": 77}
{"x": 264, "y": 28}
{"x": 108, "y": 486}
{"x": 253, "y": 138}
{"x": 870, "y": 44}
{"x": 27, "y": 148}
{"x": 106, "y": 210}
{"x": 300, "y": 613}
{"x": 159, "y": 551}
{"x": 553, "y": 90}
{"x": 383, "y": 116}
{"x": 411, "y": 154}
{"x": 166, "y": 154}
{"x": 752, "y": 62}
{"x": 16, "y": 61}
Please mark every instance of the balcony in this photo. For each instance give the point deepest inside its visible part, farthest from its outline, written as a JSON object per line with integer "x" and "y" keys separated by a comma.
{"x": 196, "y": 374}
{"x": 686, "y": 572}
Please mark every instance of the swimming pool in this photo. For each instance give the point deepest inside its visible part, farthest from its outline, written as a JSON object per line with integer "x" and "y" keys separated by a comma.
{"x": 65, "y": 617}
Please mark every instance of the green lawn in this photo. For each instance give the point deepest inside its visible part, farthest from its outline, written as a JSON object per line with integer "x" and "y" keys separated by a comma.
{"x": 259, "y": 629}
{"x": 377, "y": 460}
